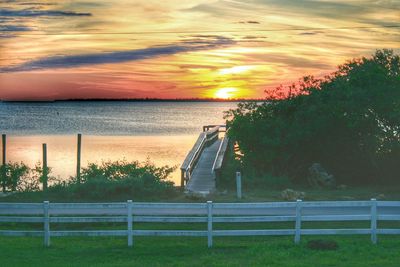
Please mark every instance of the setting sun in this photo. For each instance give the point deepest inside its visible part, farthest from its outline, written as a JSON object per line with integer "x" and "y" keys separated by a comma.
{"x": 226, "y": 93}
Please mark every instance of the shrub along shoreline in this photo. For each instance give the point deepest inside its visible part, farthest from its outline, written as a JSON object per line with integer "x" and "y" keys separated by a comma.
{"x": 108, "y": 181}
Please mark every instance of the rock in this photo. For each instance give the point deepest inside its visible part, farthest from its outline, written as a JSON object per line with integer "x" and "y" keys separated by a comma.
{"x": 341, "y": 187}
{"x": 291, "y": 195}
{"x": 319, "y": 177}
{"x": 322, "y": 244}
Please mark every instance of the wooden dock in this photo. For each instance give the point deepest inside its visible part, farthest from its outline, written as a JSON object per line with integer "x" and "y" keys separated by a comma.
{"x": 203, "y": 161}
{"x": 202, "y": 180}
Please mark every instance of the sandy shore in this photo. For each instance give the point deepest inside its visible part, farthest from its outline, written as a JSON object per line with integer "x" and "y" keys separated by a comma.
{"x": 162, "y": 150}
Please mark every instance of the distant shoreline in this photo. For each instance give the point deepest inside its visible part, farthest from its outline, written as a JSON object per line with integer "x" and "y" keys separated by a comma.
{"x": 135, "y": 100}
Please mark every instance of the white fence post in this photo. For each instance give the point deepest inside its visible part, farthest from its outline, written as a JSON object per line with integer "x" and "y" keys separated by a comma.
{"x": 46, "y": 220}
{"x": 130, "y": 222}
{"x": 298, "y": 222}
{"x": 209, "y": 224}
{"x": 238, "y": 185}
{"x": 373, "y": 221}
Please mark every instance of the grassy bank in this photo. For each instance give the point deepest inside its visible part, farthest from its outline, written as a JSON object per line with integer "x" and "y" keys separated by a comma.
{"x": 249, "y": 195}
{"x": 122, "y": 180}
{"x": 314, "y": 194}
{"x": 183, "y": 251}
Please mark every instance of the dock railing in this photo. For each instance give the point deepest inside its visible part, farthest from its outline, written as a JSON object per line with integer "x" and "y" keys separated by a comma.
{"x": 207, "y": 213}
{"x": 220, "y": 159}
{"x": 208, "y": 136}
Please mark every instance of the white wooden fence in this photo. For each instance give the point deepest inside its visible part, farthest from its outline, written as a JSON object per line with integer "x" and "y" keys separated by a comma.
{"x": 207, "y": 213}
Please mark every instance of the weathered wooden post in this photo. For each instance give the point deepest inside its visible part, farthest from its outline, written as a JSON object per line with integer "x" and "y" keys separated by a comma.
{"x": 130, "y": 222}
{"x": 78, "y": 159}
{"x": 3, "y": 138}
{"x": 182, "y": 179}
{"x": 3, "y": 174}
{"x": 238, "y": 185}
{"x": 45, "y": 169}
{"x": 209, "y": 224}
{"x": 373, "y": 221}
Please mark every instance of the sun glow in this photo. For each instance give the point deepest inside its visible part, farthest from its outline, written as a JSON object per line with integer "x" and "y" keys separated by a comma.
{"x": 226, "y": 93}
{"x": 234, "y": 70}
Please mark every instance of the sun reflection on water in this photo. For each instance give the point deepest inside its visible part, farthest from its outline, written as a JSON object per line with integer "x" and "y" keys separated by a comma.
{"x": 161, "y": 150}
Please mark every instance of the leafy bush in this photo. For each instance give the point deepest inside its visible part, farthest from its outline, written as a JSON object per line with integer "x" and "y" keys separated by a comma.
{"x": 250, "y": 178}
{"x": 348, "y": 121}
{"x": 119, "y": 180}
{"x": 19, "y": 177}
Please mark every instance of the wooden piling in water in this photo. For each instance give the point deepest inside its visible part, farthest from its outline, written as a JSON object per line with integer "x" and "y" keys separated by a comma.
{"x": 45, "y": 169}
{"x": 78, "y": 159}
{"x": 182, "y": 179}
{"x": 3, "y": 137}
{"x": 3, "y": 174}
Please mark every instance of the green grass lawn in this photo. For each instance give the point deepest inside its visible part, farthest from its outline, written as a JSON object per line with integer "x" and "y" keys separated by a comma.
{"x": 313, "y": 194}
{"x": 184, "y": 251}
{"x": 192, "y": 251}
{"x": 187, "y": 251}
{"x": 249, "y": 195}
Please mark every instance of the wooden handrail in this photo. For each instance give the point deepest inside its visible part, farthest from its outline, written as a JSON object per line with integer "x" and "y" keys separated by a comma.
{"x": 219, "y": 158}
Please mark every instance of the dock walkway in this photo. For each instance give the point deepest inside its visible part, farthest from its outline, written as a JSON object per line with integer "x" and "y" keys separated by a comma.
{"x": 202, "y": 180}
{"x": 203, "y": 161}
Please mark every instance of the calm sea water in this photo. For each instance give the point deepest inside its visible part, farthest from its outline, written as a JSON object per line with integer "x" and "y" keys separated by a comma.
{"x": 160, "y": 131}
{"x": 110, "y": 118}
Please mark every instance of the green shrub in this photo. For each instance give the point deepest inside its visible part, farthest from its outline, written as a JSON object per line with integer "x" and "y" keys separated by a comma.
{"x": 250, "y": 178}
{"x": 119, "y": 180}
{"x": 116, "y": 181}
{"x": 348, "y": 121}
{"x": 19, "y": 177}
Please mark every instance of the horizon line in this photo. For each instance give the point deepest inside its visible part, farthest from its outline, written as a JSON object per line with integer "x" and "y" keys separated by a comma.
{"x": 145, "y": 99}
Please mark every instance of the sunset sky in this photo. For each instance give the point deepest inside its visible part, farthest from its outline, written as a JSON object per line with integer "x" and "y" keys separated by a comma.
{"x": 181, "y": 49}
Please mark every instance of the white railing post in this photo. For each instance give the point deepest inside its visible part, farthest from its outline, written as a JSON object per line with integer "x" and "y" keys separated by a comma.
{"x": 298, "y": 222}
{"x": 46, "y": 220}
{"x": 373, "y": 221}
{"x": 130, "y": 222}
{"x": 209, "y": 224}
{"x": 238, "y": 185}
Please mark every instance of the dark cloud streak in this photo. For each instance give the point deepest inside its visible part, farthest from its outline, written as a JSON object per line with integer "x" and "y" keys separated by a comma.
{"x": 249, "y": 22}
{"x": 71, "y": 61}
{"x": 14, "y": 28}
{"x": 40, "y": 13}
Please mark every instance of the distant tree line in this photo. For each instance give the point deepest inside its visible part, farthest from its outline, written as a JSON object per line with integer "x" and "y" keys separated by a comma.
{"x": 348, "y": 121}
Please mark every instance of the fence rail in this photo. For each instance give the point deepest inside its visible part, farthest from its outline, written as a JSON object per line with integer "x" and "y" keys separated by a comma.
{"x": 206, "y": 213}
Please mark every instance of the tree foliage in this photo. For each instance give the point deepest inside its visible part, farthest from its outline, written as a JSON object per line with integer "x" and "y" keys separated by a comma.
{"x": 17, "y": 176}
{"x": 349, "y": 121}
